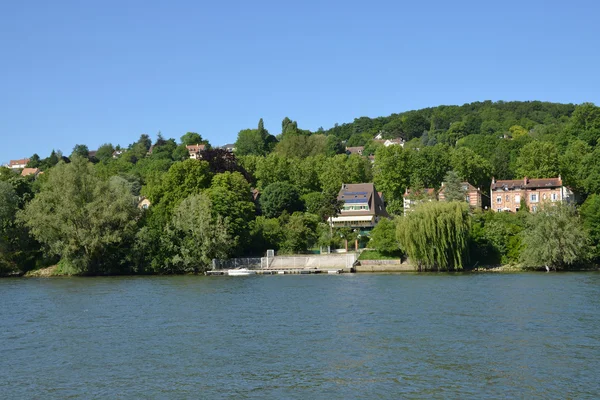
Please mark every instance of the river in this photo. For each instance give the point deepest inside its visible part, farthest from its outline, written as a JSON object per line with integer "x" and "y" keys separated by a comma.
{"x": 348, "y": 336}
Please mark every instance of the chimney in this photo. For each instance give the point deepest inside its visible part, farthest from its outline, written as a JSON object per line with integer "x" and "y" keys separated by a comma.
{"x": 525, "y": 180}
{"x": 493, "y": 180}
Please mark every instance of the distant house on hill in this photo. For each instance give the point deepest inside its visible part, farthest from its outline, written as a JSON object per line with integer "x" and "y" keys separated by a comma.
{"x": 473, "y": 196}
{"x": 394, "y": 142}
{"x": 18, "y": 164}
{"x": 507, "y": 195}
{"x": 195, "y": 149}
{"x": 229, "y": 147}
{"x": 30, "y": 171}
{"x": 355, "y": 150}
{"x": 144, "y": 203}
{"x": 362, "y": 207}
{"x": 117, "y": 153}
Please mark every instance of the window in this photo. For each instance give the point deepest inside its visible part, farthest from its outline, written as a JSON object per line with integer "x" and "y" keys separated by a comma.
{"x": 468, "y": 199}
{"x": 507, "y": 198}
{"x": 499, "y": 209}
{"x": 554, "y": 197}
{"x": 534, "y": 208}
{"x": 533, "y": 198}
{"x": 544, "y": 196}
{"x": 517, "y": 198}
{"x": 498, "y": 199}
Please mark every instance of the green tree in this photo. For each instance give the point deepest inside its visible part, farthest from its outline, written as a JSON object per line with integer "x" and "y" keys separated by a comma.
{"x": 279, "y": 197}
{"x": 590, "y": 213}
{"x": 80, "y": 150}
{"x": 344, "y": 169}
{"x": 538, "y": 160}
{"x": 300, "y": 232}
{"x": 194, "y": 237}
{"x": 86, "y": 221}
{"x": 231, "y": 199}
{"x": 435, "y": 235}
{"x": 453, "y": 188}
{"x": 392, "y": 171}
{"x": 34, "y": 161}
{"x": 383, "y": 237}
{"x": 251, "y": 142}
{"x": 471, "y": 167}
{"x": 192, "y": 138}
{"x": 554, "y": 238}
{"x": 105, "y": 152}
{"x": 272, "y": 168}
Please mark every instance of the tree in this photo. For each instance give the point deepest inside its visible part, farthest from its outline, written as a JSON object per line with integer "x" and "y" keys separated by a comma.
{"x": 344, "y": 169}
{"x": 392, "y": 171}
{"x": 34, "y": 161}
{"x": 80, "y": 150}
{"x": 435, "y": 235}
{"x": 471, "y": 167}
{"x": 145, "y": 141}
{"x": 105, "y": 152}
{"x": 590, "y": 213}
{"x": 300, "y": 232}
{"x": 194, "y": 237}
{"x": 585, "y": 123}
{"x": 192, "y": 138}
{"x": 453, "y": 188}
{"x": 430, "y": 164}
{"x": 538, "y": 160}
{"x": 182, "y": 180}
{"x": 250, "y": 142}
{"x": 84, "y": 220}
{"x": 554, "y": 238}
{"x": 383, "y": 237}
{"x": 272, "y": 168}
{"x": 231, "y": 200}
{"x": 279, "y": 197}
{"x": 517, "y": 131}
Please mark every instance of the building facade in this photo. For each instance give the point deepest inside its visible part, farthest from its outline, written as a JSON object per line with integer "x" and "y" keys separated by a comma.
{"x": 362, "y": 207}
{"x": 509, "y": 195}
{"x": 194, "y": 150}
{"x": 18, "y": 164}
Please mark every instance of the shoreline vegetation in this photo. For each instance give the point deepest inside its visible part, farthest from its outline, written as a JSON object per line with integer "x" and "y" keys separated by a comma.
{"x": 166, "y": 206}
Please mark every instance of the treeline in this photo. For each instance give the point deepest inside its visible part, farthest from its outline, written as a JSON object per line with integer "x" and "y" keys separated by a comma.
{"x": 276, "y": 191}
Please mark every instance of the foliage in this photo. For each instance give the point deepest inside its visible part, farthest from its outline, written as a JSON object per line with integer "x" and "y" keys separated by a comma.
{"x": 538, "y": 160}
{"x": 554, "y": 238}
{"x": 435, "y": 235}
{"x": 453, "y": 188}
{"x": 383, "y": 237}
{"x": 279, "y": 197}
{"x": 83, "y": 219}
{"x": 194, "y": 237}
{"x": 590, "y": 214}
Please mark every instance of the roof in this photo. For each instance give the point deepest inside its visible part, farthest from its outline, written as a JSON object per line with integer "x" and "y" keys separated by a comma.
{"x": 526, "y": 183}
{"x": 355, "y": 150}
{"x": 19, "y": 162}
{"x": 363, "y": 192}
{"x": 30, "y": 171}
{"x": 469, "y": 187}
{"x": 196, "y": 147}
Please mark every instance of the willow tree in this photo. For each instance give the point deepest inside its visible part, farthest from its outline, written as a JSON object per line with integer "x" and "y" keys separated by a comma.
{"x": 435, "y": 235}
{"x": 555, "y": 238}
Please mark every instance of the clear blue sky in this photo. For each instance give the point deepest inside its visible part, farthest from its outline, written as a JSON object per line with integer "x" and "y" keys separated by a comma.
{"x": 76, "y": 72}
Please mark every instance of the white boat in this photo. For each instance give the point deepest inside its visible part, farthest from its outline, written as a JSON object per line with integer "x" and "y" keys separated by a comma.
{"x": 240, "y": 272}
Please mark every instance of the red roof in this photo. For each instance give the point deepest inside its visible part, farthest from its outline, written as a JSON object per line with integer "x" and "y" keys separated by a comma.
{"x": 526, "y": 183}
{"x": 19, "y": 162}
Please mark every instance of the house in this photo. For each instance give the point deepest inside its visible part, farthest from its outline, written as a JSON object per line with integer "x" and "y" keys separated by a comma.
{"x": 394, "y": 142}
{"x": 229, "y": 147}
{"x": 195, "y": 149}
{"x": 507, "y": 195}
{"x": 362, "y": 207}
{"x": 92, "y": 153}
{"x": 117, "y": 153}
{"x": 379, "y": 136}
{"x": 473, "y": 195}
{"x": 18, "y": 164}
{"x": 30, "y": 171}
{"x": 355, "y": 150}
{"x": 144, "y": 203}
{"x": 412, "y": 198}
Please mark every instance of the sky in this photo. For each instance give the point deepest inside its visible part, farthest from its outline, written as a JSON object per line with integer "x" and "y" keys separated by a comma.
{"x": 77, "y": 72}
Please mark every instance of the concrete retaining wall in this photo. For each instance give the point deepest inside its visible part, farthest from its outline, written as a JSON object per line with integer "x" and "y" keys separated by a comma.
{"x": 314, "y": 261}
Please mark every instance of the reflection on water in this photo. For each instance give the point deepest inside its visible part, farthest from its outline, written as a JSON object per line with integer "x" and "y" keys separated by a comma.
{"x": 346, "y": 336}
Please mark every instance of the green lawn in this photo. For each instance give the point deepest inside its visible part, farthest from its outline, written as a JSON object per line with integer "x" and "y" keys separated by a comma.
{"x": 376, "y": 255}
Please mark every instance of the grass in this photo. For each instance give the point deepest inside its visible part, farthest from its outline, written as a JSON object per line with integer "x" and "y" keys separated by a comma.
{"x": 376, "y": 255}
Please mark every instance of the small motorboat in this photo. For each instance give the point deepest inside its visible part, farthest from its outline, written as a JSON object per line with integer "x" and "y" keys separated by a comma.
{"x": 240, "y": 272}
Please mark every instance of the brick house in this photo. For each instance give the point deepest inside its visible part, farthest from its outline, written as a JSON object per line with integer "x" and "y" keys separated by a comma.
{"x": 506, "y": 195}
{"x": 473, "y": 196}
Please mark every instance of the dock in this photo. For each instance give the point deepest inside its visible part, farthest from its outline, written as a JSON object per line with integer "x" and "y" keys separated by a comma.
{"x": 286, "y": 271}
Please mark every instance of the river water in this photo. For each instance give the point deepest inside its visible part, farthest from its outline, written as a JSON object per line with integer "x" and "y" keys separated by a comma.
{"x": 305, "y": 337}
